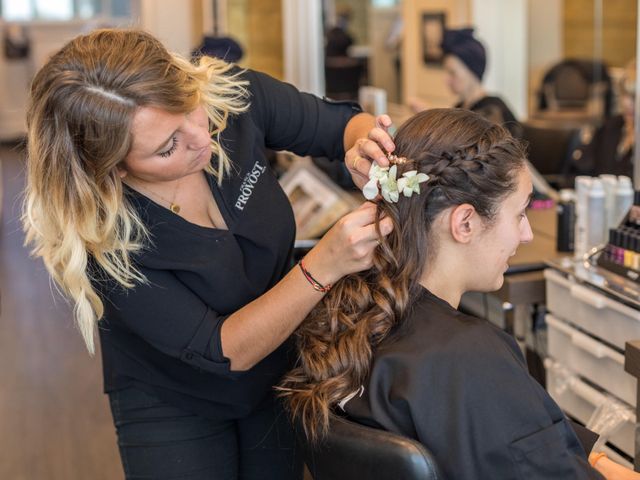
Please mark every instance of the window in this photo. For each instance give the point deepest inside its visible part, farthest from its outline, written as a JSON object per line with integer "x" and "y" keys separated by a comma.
{"x": 384, "y": 3}
{"x": 25, "y": 10}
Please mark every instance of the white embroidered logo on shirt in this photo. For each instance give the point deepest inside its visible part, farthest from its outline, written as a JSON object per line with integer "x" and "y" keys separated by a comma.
{"x": 249, "y": 182}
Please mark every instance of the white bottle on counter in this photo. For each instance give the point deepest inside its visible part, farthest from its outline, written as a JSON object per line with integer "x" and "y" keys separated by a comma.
{"x": 623, "y": 199}
{"x": 596, "y": 214}
{"x": 582, "y": 185}
{"x": 610, "y": 184}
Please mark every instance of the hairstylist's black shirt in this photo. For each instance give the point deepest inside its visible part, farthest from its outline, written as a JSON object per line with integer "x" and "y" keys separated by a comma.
{"x": 459, "y": 385}
{"x": 164, "y": 336}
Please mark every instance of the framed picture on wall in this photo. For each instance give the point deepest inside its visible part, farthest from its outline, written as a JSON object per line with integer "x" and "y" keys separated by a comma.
{"x": 432, "y": 31}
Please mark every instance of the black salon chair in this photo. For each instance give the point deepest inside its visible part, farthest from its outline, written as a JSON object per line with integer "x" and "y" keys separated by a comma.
{"x": 550, "y": 150}
{"x": 343, "y": 77}
{"x": 577, "y": 85}
{"x": 356, "y": 452}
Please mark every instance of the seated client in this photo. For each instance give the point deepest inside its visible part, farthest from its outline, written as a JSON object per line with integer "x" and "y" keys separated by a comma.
{"x": 388, "y": 346}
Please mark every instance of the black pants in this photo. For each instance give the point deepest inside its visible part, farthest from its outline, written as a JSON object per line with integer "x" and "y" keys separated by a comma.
{"x": 160, "y": 441}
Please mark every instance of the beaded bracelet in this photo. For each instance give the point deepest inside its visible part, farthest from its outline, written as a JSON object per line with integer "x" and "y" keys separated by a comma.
{"x": 317, "y": 286}
{"x": 594, "y": 457}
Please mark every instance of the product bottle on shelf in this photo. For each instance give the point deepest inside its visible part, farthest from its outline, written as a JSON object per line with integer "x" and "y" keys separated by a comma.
{"x": 596, "y": 216}
{"x": 610, "y": 184}
{"x": 582, "y": 184}
{"x": 624, "y": 198}
{"x": 566, "y": 218}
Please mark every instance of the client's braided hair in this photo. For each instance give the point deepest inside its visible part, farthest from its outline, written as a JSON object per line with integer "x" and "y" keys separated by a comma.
{"x": 469, "y": 160}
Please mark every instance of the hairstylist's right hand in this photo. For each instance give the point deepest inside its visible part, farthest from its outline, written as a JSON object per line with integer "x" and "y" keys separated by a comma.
{"x": 348, "y": 246}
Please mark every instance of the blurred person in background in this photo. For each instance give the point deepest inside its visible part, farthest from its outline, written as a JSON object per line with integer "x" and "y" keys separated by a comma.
{"x": 465, "y": 60}
{"x": 610, "y": 150}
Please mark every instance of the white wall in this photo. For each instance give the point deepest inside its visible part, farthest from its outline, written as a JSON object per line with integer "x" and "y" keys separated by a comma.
{"x": 382, "y": 68}
{"x": 16, "y": 75}
{"x": 503, "y": 27}
{"x": 426, "y": 82}
{"x": 170, "y": 21}
{"x": 545, "y": 41}
{"x": 303, "y": 45}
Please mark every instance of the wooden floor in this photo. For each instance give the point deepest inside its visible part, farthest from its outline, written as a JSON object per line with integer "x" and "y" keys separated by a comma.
{"x": 55, "y": 422}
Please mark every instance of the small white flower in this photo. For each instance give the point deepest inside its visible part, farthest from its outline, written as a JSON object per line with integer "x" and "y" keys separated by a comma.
{"x": 370, "y": 190}
{"x": 390, "y": 196}
{"x": 377, "y": 174}
{"x": 382, "y": 180}
{"x": 389, "y": 185}
{"x": 410, "y": 182}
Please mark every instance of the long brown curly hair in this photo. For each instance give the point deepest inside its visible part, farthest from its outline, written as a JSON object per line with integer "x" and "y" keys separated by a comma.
{"x": 469, "y": 160}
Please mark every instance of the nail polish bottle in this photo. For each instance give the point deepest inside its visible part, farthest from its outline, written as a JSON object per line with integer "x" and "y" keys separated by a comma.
{"x": 619, "y": 250}
{"x": 636, "y": 253}
{"x": 628, "y": 251}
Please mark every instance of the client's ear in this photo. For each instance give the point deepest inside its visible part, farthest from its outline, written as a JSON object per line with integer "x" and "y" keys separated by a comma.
{"x": 463, "y": 222}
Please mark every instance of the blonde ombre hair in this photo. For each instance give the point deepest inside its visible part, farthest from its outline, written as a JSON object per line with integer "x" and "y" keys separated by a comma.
{"x": 82, "y": 104}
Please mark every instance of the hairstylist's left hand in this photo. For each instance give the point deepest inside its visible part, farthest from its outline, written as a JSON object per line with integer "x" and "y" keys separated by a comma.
{"x": 367, "y": 150}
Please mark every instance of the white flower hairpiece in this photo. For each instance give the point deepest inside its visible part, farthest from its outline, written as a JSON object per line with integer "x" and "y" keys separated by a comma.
{"x": 389, "y": 187}
{"x": 410, "y": 182}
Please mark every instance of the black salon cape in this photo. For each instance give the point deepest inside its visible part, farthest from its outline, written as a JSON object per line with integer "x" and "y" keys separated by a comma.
{"x": 459, "y": 385}
{"x": 164, "y": 336}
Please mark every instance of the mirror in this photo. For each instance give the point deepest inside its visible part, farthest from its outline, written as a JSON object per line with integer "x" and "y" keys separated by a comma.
{"x": 382, "y": 43}
{"x": 558, "y": 65}
{"x": 362, "y": 47}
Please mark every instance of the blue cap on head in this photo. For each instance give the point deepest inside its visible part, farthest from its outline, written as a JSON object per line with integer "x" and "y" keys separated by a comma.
{"x": 225, "y": 48}
{"x": 463, "y": 45}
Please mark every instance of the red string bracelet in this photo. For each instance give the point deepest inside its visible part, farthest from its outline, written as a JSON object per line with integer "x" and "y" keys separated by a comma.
{"x": 317, "y": 286}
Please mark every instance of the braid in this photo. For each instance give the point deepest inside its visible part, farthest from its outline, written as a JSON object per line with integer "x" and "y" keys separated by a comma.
{"x": 471, "y": 173}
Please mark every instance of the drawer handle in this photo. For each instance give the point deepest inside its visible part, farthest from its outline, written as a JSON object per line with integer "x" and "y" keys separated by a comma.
{"x": 585, "y": 392}
{"x": 588, "y": 296}
{"x": 595, "y": 348}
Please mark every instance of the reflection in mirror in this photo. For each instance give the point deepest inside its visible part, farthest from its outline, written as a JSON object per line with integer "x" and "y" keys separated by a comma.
{"x": 362, "y": 47}
{"x": 560, "y": 68}
{"x": 636, "y": 103}
{"x": 600, "y": 44}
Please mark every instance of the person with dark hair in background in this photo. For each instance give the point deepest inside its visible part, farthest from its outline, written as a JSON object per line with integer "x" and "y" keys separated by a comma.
{"x": 610, "y": 150}
{"x": 338, "y": 39}
{"x": 465, "y": 60}
{"x": 389, "y": 347}
{"x": 224, "y": 48}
